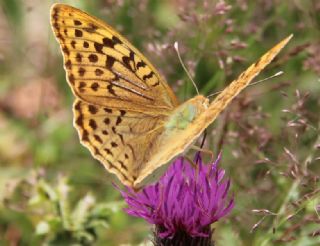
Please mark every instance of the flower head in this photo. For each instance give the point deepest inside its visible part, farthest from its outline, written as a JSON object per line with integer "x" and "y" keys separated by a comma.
{"x": 185, "y": 201}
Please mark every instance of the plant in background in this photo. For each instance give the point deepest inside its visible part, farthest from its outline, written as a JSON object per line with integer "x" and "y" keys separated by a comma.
{"x": 183, "y": 203}
{"x": 270, "y": 134}
{"x": 57, "y": 220}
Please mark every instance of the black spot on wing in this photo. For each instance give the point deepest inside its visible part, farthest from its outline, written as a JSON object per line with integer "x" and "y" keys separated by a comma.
{"x": 77, "y": 105}
{"x": 85, "y": 136}
{"x": 81, "y": 71}
{"x": 114, "y": 144}
{"x": 79, "y": 120}
{"x": 128, "y": 60}
{"x": 95, "y": 86}
{"x": 93, "y": 124}
{"x": 148, "y": 76}
{"x": 98, "y": 72}
{"x": 119, "y": 120}
{"x": 73, "y": 44}
{"x": 85, "y": 44}
{"x": 108, "y": 110}
{"x": 71, "y": 79}
{"x": 79, "y": 57}
{"x": 77, "y": 23}
{"x": 93, "y": 58}
{"x": 122, "y": 165}
{"x": 108, "y": 151}
{"x": 68, "y": 65}
{"x": 66, "y": 50}
{"x": 78, "y": 33}
{"x": 91, "y": 29}
{"x": 92, "y": 109}
{"x": 98, "y": 47}
{"x": 116, "y": 40}
{"x": 97, "y": 138}
{"x": 111, "y": 90}
{"x": 141, "y": 64}
{"x": 108, "y": 42}
{"x": 110, "y": 61}
{"x": 106, "y": 121}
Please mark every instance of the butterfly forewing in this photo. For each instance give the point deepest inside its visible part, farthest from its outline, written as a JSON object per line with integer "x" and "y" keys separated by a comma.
{"x": 104, "y": 68}
{"x": 186, "y": 136}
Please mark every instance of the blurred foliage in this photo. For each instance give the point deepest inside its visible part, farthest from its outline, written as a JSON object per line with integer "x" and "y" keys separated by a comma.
{"x": 269, "y": 136}
{"x": 56, "y": 221}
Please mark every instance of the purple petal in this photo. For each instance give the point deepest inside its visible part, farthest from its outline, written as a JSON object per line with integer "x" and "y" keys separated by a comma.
{"x": 185, "y": 198}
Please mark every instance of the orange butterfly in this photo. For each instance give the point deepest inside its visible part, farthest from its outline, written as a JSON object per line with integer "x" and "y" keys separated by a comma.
{"x": 125, "y": 112}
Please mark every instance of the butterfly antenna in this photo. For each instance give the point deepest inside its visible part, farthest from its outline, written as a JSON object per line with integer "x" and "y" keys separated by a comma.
{"x": 254, "y": 83}
{"x": 176, "y": 47}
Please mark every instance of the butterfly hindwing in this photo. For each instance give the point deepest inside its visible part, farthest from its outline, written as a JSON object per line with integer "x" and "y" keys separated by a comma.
{"x": 120, "y": 139}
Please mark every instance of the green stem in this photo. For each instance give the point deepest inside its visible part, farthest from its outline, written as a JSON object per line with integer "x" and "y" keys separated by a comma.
{"x": 281, "y": 210}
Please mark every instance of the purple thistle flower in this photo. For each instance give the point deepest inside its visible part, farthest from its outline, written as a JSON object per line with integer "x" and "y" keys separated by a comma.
{"x": 183, "y": 203}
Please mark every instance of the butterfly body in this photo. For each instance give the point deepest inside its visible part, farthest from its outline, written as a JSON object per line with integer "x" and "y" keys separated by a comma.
{"x": 125, "y": 112}
{"x": 185, "y": 113}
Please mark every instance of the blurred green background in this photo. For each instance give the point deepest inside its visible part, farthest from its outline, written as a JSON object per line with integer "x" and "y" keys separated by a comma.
{"x": 53, "y": 192}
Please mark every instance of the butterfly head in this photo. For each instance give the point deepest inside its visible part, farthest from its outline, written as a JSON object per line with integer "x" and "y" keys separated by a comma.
{"x": 200, "y": 102}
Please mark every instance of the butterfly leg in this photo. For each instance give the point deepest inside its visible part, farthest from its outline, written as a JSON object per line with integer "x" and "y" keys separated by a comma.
{"x": 194, "y": 165}
{"x": 205, "y": 151}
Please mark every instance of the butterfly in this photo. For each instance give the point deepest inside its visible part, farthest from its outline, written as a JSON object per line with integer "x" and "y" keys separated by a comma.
{"x": 125, "y": 112}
